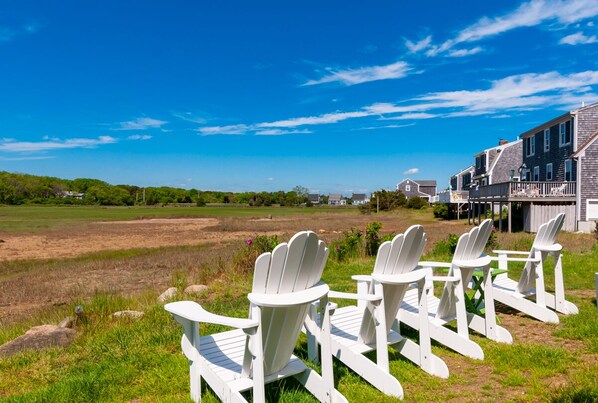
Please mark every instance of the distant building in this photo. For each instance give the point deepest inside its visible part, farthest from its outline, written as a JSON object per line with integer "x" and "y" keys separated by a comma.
{"x": 336, "y": 200}
{"x": 72, "y": 195}
{"x": 314, "y": 198}
{"x": 426, "y": 189}
{"x": 498, "y": 164}
{"x": 360, "y": 198}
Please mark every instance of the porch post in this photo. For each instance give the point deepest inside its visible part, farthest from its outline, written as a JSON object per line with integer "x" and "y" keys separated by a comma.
{"x": 509, "y": 218}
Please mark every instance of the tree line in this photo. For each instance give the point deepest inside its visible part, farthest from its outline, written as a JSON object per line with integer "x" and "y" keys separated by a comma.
{"x": 16, "y": 188}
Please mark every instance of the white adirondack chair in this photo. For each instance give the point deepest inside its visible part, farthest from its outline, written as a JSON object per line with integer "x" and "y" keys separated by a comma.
{"x": 372, "y": 325}
{"x": 285, "y": 284}
{"x": 468, "y": 257}
{"x": 531, "y": 283}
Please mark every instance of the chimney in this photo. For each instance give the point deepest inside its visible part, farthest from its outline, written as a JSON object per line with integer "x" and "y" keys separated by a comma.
{"x": 502, "y": 142}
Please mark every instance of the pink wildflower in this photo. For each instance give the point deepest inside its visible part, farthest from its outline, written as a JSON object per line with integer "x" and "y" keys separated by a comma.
{"x": 249, "y": 242}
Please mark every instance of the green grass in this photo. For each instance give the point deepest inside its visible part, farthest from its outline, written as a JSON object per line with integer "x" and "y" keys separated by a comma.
{"x": 123, "y": 360}
{"x": 42, "y": 218}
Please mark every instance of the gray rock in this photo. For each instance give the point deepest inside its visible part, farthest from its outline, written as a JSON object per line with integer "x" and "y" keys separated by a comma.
{"x": 167, "y": 295}
{"x": 128, "y": 314}
{"x": 39, "y": 338}
{"x": 196, "y": 289}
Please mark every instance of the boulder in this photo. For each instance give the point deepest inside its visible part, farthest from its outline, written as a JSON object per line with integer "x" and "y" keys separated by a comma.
{"x": 196, "y": 289}
{"x": 39, "y": 338}
{"x": 128, "y": 314}
{"x": 167, "y": 295}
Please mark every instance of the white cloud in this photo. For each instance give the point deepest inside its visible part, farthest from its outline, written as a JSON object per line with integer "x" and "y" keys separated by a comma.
{"x": 415, "y": 47}
{"x": 411, "y": 171}
{"x": 385, "y": 127}
{"x": 231, "y": 129}
{"x": 413, "y": 116}
{"x": 139, "y": 137}
{"x": 464, "y": 52}
{"x": 529, "y": 14}
{"x": 364, "y": 74}
{"x": 314, "y": 120}
{"x": 141, "y": 124}
{"x": 578, "y": 39}
{"x": 189, "y": 117}
{"x": 25, "y": 158}
{"x": 53, "y": 144}
{"x": 280, "y": 132}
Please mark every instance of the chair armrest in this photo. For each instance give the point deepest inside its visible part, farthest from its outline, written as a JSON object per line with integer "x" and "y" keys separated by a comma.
{"x": 350, "y": 295}
{"x": 405, "y": 278}
{"x": 434, "y": 265}
{"x": 510, "y": 252}
{"x": 447, "y": 279}
{"x": 473, "y": 263}
{"x": 514, "y": 259}
{"x": 289, "y": 299}
{"x": 549, "y": 248}
{"x": 362, "y": 277}
{"x": 192, "y": 311}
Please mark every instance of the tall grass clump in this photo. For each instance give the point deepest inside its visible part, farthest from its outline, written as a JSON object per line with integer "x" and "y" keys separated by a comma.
{"x": 349, "y": 246}
{"x": 244, "y": 259}
{"x": 373, "y": 239}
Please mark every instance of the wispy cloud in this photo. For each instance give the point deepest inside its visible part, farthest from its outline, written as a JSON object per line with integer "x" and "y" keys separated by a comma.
{"x": 385, "y": 127}
{"x": 464, "y": 52}
{"x": 48, "y": 157}
{"x": 189, "y": 117}
{"x": 528, "y": 14}
{"x": 415, "y": 47}
{"x": 142, "y": 123}
{"x": 517, "y": 92}
{"x": 7, "y": 34}
{"x": 578, "y": 38}
{"x": 363, "y": 75}
{"x": 9, "y": 145}
{"x": 230, "y": 129}
{"x": 411, "y": 171}
{"x": 139, "y": 137}
{"x": 280, "y": 132}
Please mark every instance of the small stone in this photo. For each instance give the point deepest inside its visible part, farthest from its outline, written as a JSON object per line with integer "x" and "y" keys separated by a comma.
{"x": 167, "y": 295}
{"x": 39, "y": 338}
{"x": 196, "y": 289}
{"x": 128, "y": 314}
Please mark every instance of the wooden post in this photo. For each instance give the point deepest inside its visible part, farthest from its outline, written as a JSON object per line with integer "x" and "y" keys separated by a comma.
{"x": 492, "y": 207}
{"x": 468, "y": 212}
{"x": 509, "y": 218}
{"x": 499, "y": 216}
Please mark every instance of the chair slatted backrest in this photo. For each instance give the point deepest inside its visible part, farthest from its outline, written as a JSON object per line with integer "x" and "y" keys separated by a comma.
{"x": 293, "y": 266}
{"x": 546, "y": 236}
{"x": 469, "y": 247}
{"x": 398, "y": 256}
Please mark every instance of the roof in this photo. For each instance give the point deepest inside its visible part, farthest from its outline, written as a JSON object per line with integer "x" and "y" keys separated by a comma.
{"x": 334, "y": 196}
{"x": 556, "y": 120}
{"x": 500, "y": 146}
{"x": 466, "y": 170}
{"x": 358, "y": 196}
{"x": 313, "y": 196}
{"x": 420, "y": 182}
{"x": 585, "y": 145}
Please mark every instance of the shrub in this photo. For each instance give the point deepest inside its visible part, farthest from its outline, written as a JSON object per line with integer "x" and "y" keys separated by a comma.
{"x": 349, "y": 246}
{"x": 417, "y": 203}
{"x": 441, "y": 211}
{"x": 446, "y": 247}
{"x": 244, "y": 258}
{"x": 372, "y": 238}
{"x": 492, "y": 242}
{"x": 596, "y": 230}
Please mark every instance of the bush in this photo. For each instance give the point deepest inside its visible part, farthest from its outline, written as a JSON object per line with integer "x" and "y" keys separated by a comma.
{"x": 349, "y": 246}
{"x": 446, "y": 247}
{"x": 441, "y": 211}
{"x": 417, "y": 203}
{"x": 372, "y": 238}
{"x": 492, "y": 241}
{"x": 244, "y": 258}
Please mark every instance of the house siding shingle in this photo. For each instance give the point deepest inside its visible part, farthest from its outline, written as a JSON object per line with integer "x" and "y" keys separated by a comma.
{"x": 510, "y": 159}
{"x": 587, "y": 123}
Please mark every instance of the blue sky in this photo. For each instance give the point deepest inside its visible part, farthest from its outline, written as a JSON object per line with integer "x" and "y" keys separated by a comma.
{"x": 335, "y": 96}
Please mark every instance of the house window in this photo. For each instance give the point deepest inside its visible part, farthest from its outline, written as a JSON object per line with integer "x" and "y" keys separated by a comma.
{"x": 536, "y": 174}
{"x": 568, "y": 170}
{"x": 546, "y": 140}
{"x": 564, "y": 135}
{"x": 530, "y": 146}
{"x": 549, "y": 172}
{"x": 511, "y": 174}
{"x": 592, "y": 209}
{"x": 408, "y": 188}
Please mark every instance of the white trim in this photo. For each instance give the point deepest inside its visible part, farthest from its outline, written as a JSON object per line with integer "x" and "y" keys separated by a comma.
{"x": 530, "y": 150}
{"x": 536, "y": 174}
{"x": 570, "y": 169}
{"x": 546, "y": 137}
{"x": 563, "y": 134}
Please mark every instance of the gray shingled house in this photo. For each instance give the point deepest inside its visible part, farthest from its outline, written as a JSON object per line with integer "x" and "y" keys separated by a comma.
{"x": 559, "y": 173}
{"x": 425, "y": 189}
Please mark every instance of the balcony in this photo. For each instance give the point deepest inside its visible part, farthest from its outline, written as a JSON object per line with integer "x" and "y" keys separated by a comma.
{"x": 524, "y": 191}
{"x": 453, "y": 196}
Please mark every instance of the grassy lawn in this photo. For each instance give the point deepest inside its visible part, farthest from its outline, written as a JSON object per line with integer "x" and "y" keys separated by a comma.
{"x": 28, "y": 219}
{"x": 123, "y": 360}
